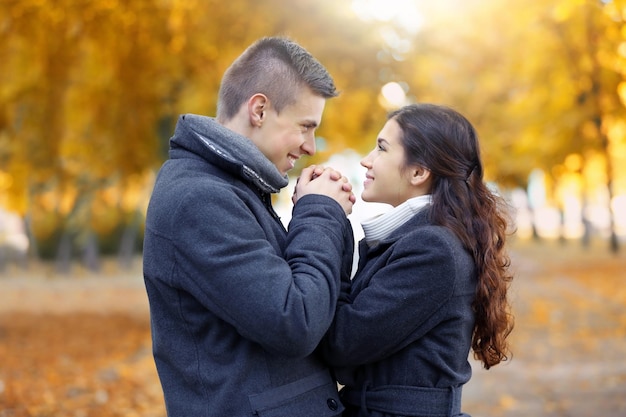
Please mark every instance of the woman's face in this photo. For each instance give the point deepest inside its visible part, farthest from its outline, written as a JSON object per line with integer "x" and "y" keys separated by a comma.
{"x": 385, "y": 180}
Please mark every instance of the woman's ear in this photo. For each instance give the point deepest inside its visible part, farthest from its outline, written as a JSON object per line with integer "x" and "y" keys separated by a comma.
{"x": 257, "y": 106}
{"x": 419, "y": 175}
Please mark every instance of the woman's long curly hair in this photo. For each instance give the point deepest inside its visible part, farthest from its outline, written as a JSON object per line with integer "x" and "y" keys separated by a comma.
{"x": 443, "y": 141}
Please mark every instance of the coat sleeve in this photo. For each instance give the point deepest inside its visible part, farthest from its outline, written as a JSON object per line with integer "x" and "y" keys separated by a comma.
{"x": 394, "y": 308}
{"x": 284, "y": 302}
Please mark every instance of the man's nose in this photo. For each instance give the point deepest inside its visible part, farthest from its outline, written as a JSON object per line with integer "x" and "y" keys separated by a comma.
{"x": 309, "y": 145}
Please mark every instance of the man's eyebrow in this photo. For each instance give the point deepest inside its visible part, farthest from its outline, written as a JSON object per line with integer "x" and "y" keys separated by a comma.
{"x": 381, "y": 140}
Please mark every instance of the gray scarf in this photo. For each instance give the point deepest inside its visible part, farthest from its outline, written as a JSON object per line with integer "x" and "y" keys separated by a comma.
{"x": 238, "y": 150}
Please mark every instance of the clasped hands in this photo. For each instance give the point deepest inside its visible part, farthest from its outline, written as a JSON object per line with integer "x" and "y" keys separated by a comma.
{"x": 317, "y": 179}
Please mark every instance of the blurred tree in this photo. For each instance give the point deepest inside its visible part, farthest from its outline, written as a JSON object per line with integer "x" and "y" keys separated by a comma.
{"x": 540, "y": 81}
{"x": 583, "y": 40}
{"x": 491, "y": 67}
{"x": 90, "y": 91}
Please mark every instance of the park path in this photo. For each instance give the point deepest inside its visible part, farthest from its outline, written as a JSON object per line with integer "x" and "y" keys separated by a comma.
{"x": 79, "y": 346}
{"x": 569, "y": 341}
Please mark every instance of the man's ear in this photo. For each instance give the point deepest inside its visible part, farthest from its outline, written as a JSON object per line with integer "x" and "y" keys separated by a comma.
{"x": 419, "y": 175}
{"x": 257, "y": 106}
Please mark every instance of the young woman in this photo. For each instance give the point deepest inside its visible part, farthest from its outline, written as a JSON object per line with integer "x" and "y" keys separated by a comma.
{"x": 433, "y": 273}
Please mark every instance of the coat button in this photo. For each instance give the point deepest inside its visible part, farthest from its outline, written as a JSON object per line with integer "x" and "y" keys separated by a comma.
{"x": 332, "y": 404}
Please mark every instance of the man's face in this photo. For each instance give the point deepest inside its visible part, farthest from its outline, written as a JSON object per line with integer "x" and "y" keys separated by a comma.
{"x": 284, "y": 137}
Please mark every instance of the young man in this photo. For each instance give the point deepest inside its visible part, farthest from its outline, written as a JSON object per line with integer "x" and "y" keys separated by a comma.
{"x": 237, "y": 303}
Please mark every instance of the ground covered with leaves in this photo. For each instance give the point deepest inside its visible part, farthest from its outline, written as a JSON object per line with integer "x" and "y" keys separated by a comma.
{"x": 78, "y": 345}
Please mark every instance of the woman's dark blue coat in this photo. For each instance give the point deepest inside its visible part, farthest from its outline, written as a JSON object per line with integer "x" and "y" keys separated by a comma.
{"x": 403, "y": 327}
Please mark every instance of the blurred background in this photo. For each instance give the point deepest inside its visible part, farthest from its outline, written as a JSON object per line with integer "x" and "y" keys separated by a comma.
{"x": 90, "y": 91}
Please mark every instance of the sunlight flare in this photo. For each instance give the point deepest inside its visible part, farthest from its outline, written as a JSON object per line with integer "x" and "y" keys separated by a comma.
{"x": 404, "y": 13}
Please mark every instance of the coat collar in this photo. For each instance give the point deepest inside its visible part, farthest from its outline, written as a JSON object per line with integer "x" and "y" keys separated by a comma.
{"x": 235, "y": 153}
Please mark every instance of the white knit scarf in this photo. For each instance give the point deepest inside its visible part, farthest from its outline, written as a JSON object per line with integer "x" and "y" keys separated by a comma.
{"x": 379, "y": 227}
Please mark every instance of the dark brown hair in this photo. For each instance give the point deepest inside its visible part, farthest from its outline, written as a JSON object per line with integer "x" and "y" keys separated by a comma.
{"x": 443, "y": 141}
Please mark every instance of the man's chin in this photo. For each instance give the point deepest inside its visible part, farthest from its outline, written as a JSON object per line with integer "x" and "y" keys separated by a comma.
{"x": 286, "y": 171}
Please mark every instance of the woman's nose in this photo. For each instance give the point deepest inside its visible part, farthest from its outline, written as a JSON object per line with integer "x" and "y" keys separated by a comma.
{"x": 366, "y": 161}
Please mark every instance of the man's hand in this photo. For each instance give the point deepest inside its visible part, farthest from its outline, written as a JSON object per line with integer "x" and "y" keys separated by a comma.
{"x": 326, "y": 181}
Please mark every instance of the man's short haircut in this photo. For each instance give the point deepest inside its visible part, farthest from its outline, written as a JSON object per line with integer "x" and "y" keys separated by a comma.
{"x": 276, "y": 67}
